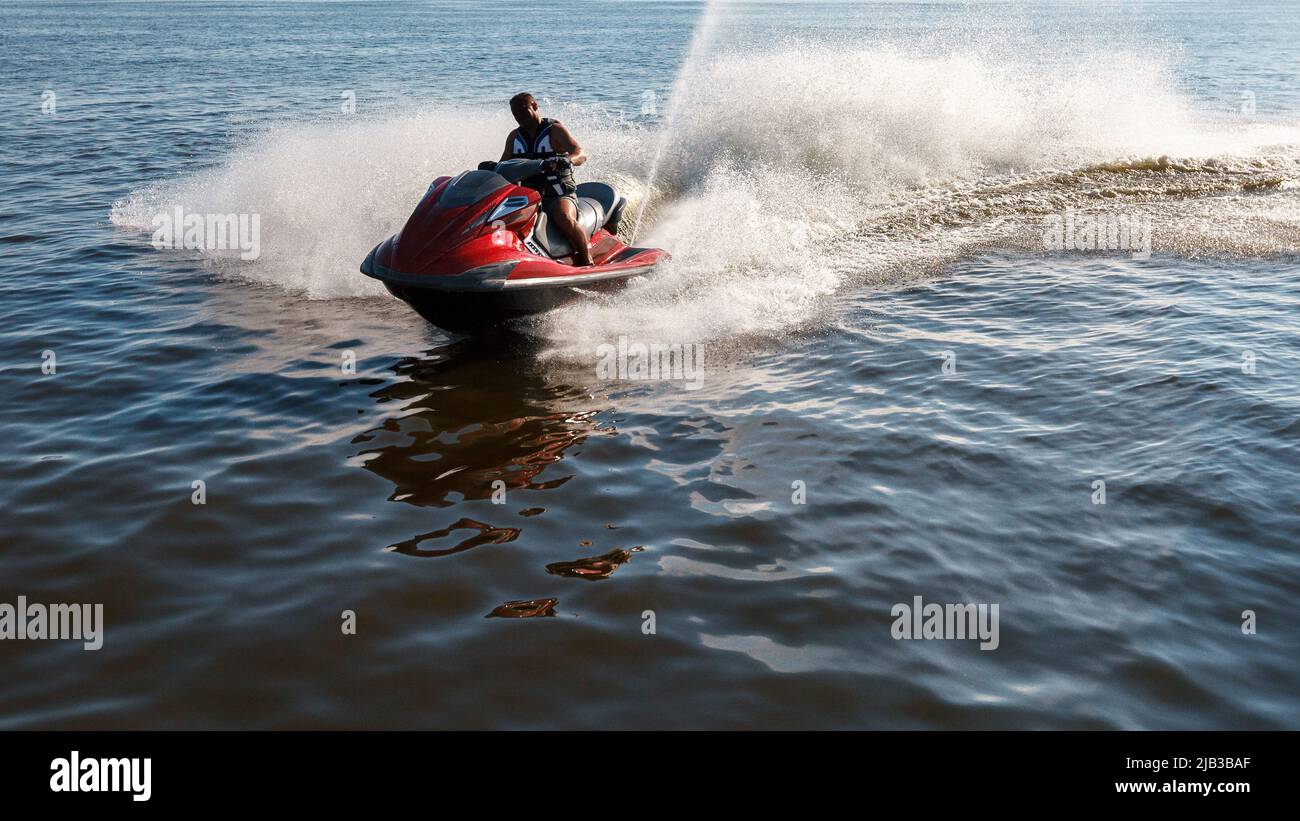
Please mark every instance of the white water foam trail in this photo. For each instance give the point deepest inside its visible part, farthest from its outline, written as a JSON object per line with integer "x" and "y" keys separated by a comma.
{"x": 771, "y": 197}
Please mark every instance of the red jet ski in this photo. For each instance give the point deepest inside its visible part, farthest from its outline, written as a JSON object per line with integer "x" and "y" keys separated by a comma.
{"x": 479, "y": 250}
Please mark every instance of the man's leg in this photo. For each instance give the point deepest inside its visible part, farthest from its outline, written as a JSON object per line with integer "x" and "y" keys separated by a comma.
{"x": 565, "y": 214}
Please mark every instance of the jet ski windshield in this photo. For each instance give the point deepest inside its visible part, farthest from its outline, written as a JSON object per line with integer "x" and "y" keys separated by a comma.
{"x": 517, "y": 170}
{"x": 489, "y": 178}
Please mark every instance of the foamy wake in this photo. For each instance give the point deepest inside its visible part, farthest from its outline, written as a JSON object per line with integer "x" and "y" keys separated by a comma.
{"x": 787, "y": 176}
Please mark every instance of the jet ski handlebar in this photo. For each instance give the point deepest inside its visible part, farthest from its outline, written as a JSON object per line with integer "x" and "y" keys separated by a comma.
{"x": 516, "y": 170}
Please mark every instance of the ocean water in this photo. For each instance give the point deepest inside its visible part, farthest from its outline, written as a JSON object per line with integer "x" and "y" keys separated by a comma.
{"x": 907, "y": 389}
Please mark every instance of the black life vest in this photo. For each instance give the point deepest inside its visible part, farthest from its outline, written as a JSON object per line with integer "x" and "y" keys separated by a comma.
{"x": 539, "y": 148}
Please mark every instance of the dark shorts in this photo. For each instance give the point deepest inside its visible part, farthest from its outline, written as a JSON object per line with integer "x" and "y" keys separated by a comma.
{"x": 546, "y": 187}
{"x": 550, "y": 199}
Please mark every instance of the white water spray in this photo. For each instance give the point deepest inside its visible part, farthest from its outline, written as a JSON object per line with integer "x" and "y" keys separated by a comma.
{"x": 875, "y": 163}
{"x": 700, "y": 41}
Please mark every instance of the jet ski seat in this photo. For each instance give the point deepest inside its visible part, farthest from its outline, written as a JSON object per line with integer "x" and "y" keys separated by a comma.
{"x": 599, "y": 205}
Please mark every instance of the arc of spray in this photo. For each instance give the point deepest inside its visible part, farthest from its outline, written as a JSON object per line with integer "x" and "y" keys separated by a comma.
{"x": 701, "y": 38}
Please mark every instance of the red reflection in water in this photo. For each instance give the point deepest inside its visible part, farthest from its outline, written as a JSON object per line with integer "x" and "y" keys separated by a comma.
{"x": 525, "y": 609}
{"x": 594, "y": 567}
{"x": 487, "y": 534}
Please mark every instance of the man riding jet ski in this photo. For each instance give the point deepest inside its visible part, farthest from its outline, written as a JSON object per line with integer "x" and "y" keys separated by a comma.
{"x": 541, "y": 138}
{"x": 481, "y": 248}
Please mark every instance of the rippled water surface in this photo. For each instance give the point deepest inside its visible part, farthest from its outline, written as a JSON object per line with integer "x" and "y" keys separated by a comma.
{"x": 904, "y": 393}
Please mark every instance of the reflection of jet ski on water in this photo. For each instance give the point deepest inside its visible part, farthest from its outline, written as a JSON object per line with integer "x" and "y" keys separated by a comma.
{"x": 479, "y": 250}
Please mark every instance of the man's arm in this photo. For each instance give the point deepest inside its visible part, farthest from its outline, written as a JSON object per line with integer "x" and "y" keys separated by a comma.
{"x": 562, "y": 141}
{"x": 509, "y": 149}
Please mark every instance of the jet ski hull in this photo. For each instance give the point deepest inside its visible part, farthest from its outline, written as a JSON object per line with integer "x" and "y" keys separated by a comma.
{"x": 484, "y": 298}
{"x": 478, "y": 252}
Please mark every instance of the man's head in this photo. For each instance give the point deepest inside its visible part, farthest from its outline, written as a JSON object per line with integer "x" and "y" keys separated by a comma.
{"x": 525, "y": 109}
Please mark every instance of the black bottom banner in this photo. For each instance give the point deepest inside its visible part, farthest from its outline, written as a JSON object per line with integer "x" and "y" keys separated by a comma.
{"x": 332, "y": 770}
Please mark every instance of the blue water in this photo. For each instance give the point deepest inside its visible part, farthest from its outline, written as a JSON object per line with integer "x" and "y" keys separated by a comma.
{"x": 854, "y": 195}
